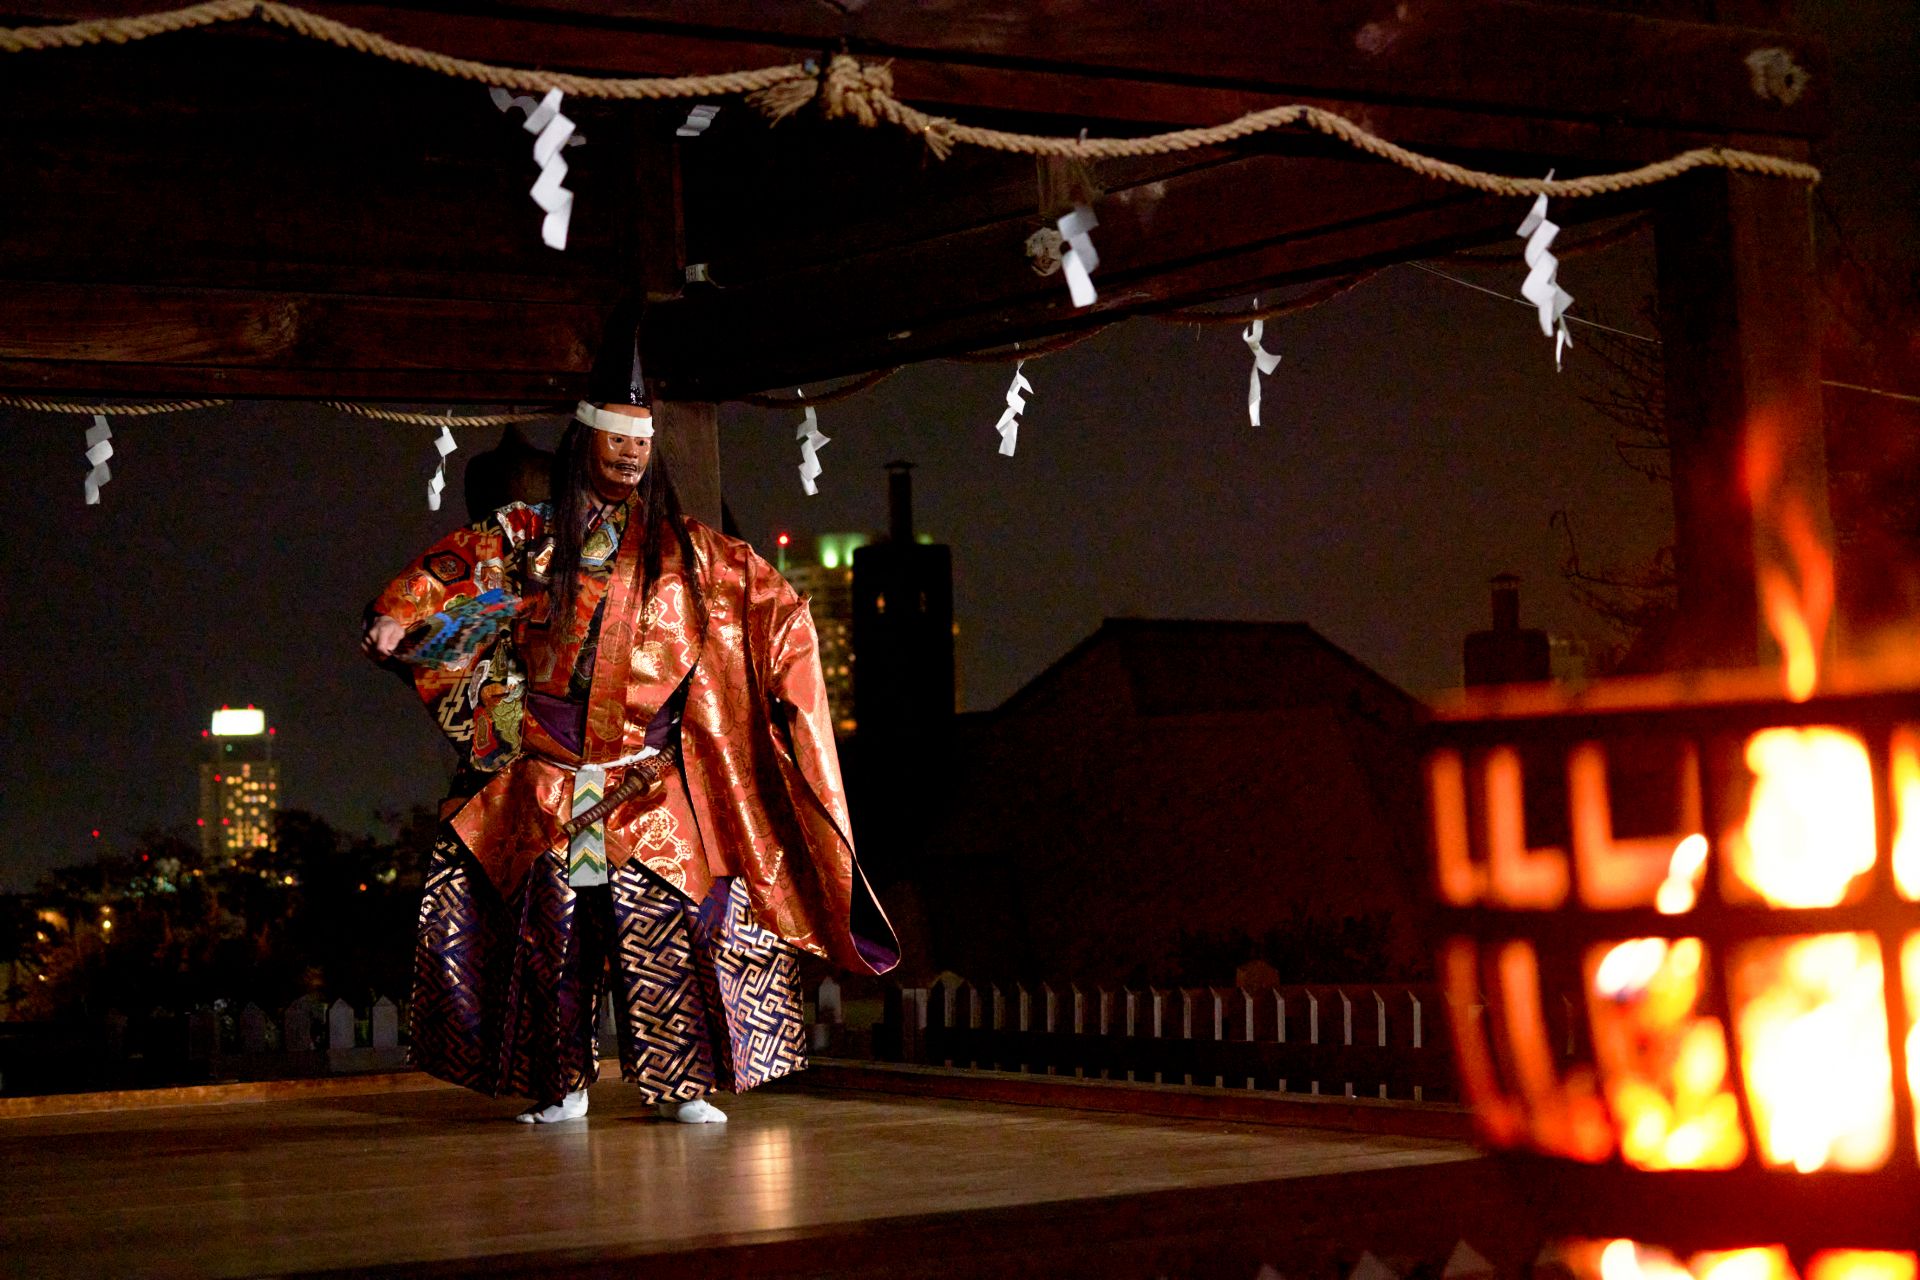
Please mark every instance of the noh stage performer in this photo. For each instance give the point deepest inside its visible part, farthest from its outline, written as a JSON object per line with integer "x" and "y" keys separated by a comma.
{"x": 649, "y": 801}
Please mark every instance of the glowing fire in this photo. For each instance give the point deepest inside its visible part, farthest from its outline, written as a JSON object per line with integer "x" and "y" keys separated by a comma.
{"x": 1910, "y": 981}
{"x": 1681, "y": 888}
{"x": 1862, "y": 1264}
{"x": 1630, "y": 1260}
{"x": 1812, "y": 1021}
{"x": 1626, "y": 1260}
{"x": 1664, "y": 1067}
{"x": 1794, "y": 570}
{"x": 1809, "y": 831}
{"x": 1767, "y": 1263}
{"x": 1905, "y": 770}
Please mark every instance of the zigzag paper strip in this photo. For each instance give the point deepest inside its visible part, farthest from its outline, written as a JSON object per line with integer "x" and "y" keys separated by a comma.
{"x": 552, "y": 130}
{"x": 98, "y": 451}
{"x": 437, "y": 482}
{"x": 1264, "y": 362}
{"x": 1009, "y": 424}
{"x": 1078, "y": 260}
{"x": 1542, "y": 287}
{"x": 811, "y": 442}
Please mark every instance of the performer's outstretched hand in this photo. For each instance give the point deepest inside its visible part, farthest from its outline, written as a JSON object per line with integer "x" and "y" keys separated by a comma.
{"x": 382, "y": 637}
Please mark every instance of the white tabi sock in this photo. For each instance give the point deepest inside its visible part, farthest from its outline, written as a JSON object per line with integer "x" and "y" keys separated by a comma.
{"x": 571, "y": 1107}
{"x": 696, "y": 1111}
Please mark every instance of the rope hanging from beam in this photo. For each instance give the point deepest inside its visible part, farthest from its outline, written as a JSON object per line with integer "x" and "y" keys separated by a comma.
{"x": 149, "y": 409}
{"x": 438, "y": 419}
{"x": 846, "y": 88}
{"x": 111, "y": 410}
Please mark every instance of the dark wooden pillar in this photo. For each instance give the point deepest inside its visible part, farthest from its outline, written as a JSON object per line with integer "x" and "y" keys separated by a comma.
{"x": 1737, "y": 290}
{"x": 654, "y": 256}
{"x": 689, "y": 437}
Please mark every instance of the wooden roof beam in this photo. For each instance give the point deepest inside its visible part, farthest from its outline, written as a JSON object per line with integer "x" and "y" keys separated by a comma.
{"x": 1249, "y": 223}
{"x": 1561, "y": 61}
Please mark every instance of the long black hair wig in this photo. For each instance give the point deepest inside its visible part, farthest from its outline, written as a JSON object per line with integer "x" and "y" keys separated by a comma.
{"x": 657, "y": 514}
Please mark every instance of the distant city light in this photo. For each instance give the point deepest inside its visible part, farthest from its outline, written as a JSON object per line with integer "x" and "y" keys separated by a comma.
{"x": 836, "y": 549}
{"x": 249, "y": 722}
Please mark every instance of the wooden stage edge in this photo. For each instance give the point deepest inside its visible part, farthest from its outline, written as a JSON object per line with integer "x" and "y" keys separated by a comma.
{"x": 844, "y": 1075}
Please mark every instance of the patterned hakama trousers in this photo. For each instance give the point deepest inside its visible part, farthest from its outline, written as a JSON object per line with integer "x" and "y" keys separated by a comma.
{"x": 505, "y": 990}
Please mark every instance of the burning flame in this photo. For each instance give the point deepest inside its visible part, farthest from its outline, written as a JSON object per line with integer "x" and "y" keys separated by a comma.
{"x": 1630, "y": 1260}
{"x": 1798, "y": 601}
{"x": 1765, "y": 1263}
{"x": 1809, "y": 831}
{"x": 1799, "y": 651}
{"x": 1625, "y": 1260}
{"x": 1682, "y": 887}
{"x": 1910, "y": 980}
{"x": 1905, "y": 773}
{"x": 1664, "y": 1067}
{"x": 1862, "y": 1264}
{"x": 1812, "y": 1021}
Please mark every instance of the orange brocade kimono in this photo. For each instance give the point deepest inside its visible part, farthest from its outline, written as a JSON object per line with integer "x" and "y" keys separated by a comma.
{"x": 752, "y": 836}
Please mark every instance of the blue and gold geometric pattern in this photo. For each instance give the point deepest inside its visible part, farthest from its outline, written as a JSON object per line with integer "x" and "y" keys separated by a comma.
{"x": 704, "y": 998}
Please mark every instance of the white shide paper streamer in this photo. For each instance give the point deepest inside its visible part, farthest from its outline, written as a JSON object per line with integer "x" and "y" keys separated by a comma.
{"x": 98, "y": 451}
{"x": 1078, "y": 260}
{"x": 697, "y": 121}
{"x": 527, "y": 106}
{"x": 1009, "y": 424}
{"x": 1542, "y": 288}
{"x": 507, "y": 101}
{"x": 437, "y": 482}
{"x": 1264, "y": 362}
{"x": 811, "y": 442}
{"x": 552, "y": 131}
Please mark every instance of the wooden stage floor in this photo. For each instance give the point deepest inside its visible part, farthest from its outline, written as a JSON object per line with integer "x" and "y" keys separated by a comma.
{"x": 803, "y": 1182}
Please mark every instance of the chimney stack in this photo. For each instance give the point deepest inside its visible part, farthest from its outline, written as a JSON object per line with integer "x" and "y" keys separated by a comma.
{"x": 900, "y": 501}
{"x": 1510, "y": 653}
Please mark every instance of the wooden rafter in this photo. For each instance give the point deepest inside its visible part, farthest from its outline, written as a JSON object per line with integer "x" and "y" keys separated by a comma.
{"x": 250, "y": 221}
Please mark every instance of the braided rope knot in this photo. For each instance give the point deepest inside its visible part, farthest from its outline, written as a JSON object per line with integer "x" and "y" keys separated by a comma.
{"x": 849, "y": 88}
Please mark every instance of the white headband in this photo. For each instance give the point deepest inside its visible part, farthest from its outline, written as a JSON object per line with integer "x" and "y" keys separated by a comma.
{"x": 619, "y": 424}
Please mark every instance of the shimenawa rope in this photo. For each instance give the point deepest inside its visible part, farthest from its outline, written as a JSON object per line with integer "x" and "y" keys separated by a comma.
{"x": 850, "y": 89}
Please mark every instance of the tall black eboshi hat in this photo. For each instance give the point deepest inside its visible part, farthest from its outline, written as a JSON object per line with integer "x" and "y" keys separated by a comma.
{"x": 616, "y": 376}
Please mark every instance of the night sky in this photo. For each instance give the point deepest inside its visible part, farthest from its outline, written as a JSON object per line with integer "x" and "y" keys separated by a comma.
{"x": 1417, "y": 440}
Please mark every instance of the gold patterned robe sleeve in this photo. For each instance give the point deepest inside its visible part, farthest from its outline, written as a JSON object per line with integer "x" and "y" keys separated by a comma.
{"x": 758, "y": 749}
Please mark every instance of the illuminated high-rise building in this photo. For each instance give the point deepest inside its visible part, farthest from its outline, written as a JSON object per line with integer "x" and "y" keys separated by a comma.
{"x": 239, "y": 784}
{"x": 827, "y": 583}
